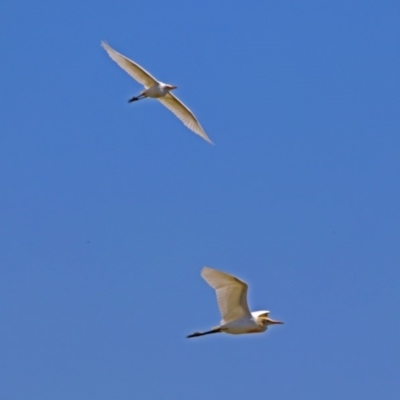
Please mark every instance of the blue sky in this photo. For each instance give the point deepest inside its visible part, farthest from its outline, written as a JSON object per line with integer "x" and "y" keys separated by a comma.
{"x": 109, "y": 210}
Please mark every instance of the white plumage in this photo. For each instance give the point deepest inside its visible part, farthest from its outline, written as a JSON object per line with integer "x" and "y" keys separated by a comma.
{"x": 232, "y": 301}
{"x": 231, "y": 294}
{"x": 158, "y": 90}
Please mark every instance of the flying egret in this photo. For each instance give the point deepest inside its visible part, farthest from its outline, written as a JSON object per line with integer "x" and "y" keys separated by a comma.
{"x": 158, "y": 90}
{"x": 232, "y": 301}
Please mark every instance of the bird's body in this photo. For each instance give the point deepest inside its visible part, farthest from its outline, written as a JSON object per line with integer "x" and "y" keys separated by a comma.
{"x": 157, "y": 90}
{"x": 243, "y": 325}
{"x": 247, "y": 324}
{"x": 232, "y": 301}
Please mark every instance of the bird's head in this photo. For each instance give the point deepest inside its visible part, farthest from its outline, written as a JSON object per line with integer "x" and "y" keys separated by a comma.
{"x": 262, "y": 318}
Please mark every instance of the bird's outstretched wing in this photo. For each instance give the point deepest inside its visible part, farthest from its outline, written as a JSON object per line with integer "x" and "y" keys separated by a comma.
{"x": 134, "y": 70}
{"x": 231, "y": 294}
{"x": 184, "y": 114}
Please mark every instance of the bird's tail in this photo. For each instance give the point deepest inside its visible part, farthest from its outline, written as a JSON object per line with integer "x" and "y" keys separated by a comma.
{"x": 217, "y": 330}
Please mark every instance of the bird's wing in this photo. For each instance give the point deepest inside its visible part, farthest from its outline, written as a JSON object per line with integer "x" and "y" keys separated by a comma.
{"x": 231, "y": 294}
{"x": 184, "y": 114}
{"x": 134, "y": 70}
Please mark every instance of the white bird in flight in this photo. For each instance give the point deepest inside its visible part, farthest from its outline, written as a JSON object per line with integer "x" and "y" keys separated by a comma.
{"x": 232, "y": 301}
{"x": 158, "y": 90}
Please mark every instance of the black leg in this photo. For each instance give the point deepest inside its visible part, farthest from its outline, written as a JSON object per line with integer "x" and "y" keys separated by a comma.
{"x": 142, "y": 96}
{"x": 203, "y": 333}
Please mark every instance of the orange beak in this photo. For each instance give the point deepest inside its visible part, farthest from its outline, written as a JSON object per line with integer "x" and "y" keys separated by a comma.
{"x": 273, "y": 321}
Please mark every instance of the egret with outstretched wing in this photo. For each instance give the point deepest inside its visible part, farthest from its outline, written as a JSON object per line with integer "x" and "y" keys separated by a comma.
{"x": 232, "y": 301}
{"x": 158, "y": 90}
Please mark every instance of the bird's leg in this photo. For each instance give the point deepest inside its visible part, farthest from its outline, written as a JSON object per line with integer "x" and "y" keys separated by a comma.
{"x": 204, "y": 333}
{"x": 134, "y": 98}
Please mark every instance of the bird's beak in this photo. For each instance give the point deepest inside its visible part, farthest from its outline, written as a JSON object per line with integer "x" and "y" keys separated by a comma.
{"x": 273, "y": 321}
{"x": 174, "y": 87}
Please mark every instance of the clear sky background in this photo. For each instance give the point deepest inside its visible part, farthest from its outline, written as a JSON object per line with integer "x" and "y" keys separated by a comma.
{"x": 109, "y": 210}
